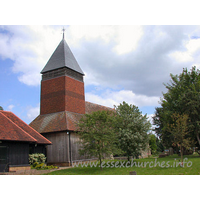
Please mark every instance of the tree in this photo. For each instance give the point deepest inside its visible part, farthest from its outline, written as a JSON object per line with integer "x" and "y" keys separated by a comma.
{"x": 182, "y": 97}
{"x": 160, "y": 147}
{"x": 179, "y": 129}
{"x": 1, "y": 108}
{"x": 152, "y": 143}
{"x": 132, "y": 128}
{"x": 98, "y": 137}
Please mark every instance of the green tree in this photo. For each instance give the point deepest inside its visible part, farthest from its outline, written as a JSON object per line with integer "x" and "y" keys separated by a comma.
{"x": 160, "y": 147}
{"x": 97, "y": 135}
{"x": 152, "y": 143}
{"x": 179, "y": 129}
{"x": 132, "y": 128}
{"x": 1, "y": 108}
{"x": 182, "y": 97}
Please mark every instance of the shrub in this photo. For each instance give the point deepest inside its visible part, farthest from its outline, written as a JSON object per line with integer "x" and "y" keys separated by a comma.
{"x": 40, "y": 166}
{"x": 43, "y": 166}
{"x": 37, "y": 158}
{"x": 35, "y": 164}
{"x": 37, "y": 161}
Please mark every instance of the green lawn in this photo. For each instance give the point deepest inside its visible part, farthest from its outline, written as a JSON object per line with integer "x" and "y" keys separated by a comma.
{"x": 167, "y": 167}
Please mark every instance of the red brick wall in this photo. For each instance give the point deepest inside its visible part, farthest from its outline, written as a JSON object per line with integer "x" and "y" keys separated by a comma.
{"x": 75, "y": 97}
{"x": 62, "y": 94}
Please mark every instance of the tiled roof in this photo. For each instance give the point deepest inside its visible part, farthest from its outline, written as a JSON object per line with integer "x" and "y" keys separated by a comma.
{"x": 93, "y": 107}
{"x": 10, "y": 131}
{"x": 63, "y": 121}
{"x": 60, "y": 121}
{"x": 62, "y": 57}
{"x": 13, "y": 128}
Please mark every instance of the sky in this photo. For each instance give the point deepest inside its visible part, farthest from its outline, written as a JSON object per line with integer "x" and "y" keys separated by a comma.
{"x": 121, "y": 62}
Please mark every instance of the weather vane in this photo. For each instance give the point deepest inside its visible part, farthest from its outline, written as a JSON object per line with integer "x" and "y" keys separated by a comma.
{"x": 63, "y": 30}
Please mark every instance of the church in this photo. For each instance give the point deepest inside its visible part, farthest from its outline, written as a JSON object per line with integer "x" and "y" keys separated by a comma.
{"x": 62, "y": 104}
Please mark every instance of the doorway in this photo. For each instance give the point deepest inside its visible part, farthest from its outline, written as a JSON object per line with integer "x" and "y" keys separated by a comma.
{"x": 3, "y": 159}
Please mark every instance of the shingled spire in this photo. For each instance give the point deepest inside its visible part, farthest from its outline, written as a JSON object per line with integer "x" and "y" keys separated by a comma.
{"x": 62, "y": 86}
{"x": 62, "y": 58}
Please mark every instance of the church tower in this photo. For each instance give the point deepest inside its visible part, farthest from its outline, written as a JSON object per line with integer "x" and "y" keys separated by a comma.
{"x": 62, "y": 86}
{"x": 62, "y": 104}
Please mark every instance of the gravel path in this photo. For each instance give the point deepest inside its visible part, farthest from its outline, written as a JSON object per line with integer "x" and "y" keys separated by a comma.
{"x": 32, "y": 171}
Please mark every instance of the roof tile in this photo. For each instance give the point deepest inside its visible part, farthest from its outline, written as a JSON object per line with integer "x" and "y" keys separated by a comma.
{"x": 10, "y": 131}
{"x": 63, "y": 121}
{"x": 16, "y": 129}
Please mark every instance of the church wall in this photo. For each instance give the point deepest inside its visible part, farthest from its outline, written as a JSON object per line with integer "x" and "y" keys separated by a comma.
{"x": 58, "y": 152}
{"x": 75, "y": 147}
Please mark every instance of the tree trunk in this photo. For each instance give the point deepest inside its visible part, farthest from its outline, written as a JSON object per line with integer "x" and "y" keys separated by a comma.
{"x": 128, "y": 158}
{"x": 182, "y": 155}
{"x": 177, "y": 149}
{"x": 100, "y": 161}
{"x": 198, "y": 139}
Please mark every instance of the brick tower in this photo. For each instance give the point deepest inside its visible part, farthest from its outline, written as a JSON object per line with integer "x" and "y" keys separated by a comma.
{"x": 62, "y": 105}
{"x": 62, "y": 86}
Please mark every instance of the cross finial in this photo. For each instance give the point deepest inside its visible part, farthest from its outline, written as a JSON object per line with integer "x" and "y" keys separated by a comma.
{"x": 63, "y": 30}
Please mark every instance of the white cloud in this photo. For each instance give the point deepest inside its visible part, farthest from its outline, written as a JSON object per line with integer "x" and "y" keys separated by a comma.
{"x": 90, "y": 79}
{"x": 30, "y": 48}
{"x": 139, "y": 59}
{"x": 33, "y": 112}
{"x": 111, "y": 98}
{"x": 90, "y": 33}
{"x": 127, "y": 38}
{"x": 192, "y": 46}
{"x": 10, "y": 107}
{"x": 150, "y": 117}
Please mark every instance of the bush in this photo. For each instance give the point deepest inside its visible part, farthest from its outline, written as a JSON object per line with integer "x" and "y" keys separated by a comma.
{"x": 37, "y": 158}
{"x": 42, "y": 166}
{"x": 37, "y": 161}
{"x": 35, "y": 164}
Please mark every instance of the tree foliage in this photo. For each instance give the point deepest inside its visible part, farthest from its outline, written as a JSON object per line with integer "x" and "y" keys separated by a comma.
{"x": 179, "y": 129}
{"x": 160, "y": 147}
{"x": 132, "y": 128}
{"x": 152, "y": 143}
{"x": 121, "y": 131}
{"x": 97, "y": 135}
{"x": 1, "y": 108}
{"x": 182, "y": 97}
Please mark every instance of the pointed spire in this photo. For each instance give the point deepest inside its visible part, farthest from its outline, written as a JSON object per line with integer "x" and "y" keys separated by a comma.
{"x": 62, "y": 57}
{"x": 63, "y": 30}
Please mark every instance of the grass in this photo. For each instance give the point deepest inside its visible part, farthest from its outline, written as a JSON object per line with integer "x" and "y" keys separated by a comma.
{"x": 169, "y": 167}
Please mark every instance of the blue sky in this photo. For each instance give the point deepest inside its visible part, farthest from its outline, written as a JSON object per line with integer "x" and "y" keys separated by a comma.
{"x": 121, "y": 63}
{"x": 16, "y": 96}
